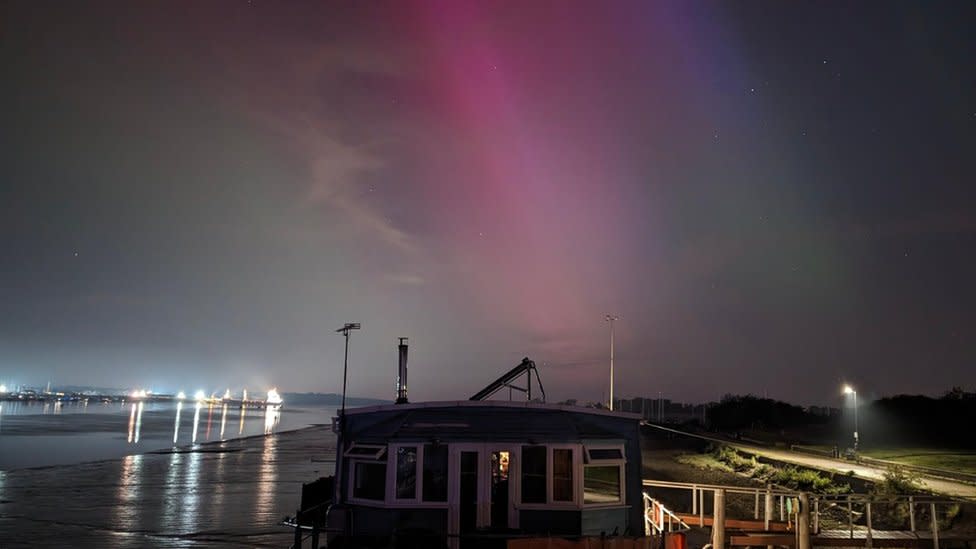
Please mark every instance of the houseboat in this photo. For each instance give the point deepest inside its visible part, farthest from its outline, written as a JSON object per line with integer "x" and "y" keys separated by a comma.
{"x": 474, "y": 473}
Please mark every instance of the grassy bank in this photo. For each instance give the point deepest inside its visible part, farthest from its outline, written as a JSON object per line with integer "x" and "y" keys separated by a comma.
{"x": 727, "y": 459}
{"x": 952, "y": 460}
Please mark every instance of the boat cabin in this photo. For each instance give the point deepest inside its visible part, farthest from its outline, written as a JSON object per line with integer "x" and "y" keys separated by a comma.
{"x": 469, "y": 471}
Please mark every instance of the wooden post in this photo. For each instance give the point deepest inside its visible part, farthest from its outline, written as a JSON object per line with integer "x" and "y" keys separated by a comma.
{"x": 867, "y": 509}
{"x": 298, "y": 530}
{"x": 694, "y": 499}
{"x": 935, "y": 529}
{"x": 803, "y": 522}
{"x": 701, "y": 507}
{"x": 911, "y": 512}
{"x": 816, "y": 515}
{"x": 768, "y": 506}
{"x": 718, "y": 519}
{"x": 755, "y": 514}
{"x": 850, "y": 515}
{"x": 782, "y": 508}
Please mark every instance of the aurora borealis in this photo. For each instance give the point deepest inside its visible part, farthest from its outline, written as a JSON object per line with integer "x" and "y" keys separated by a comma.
{"x": 773, "y": 198}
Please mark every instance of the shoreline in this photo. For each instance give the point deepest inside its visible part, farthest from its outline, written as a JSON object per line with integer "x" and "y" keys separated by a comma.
{"x": 230, "y": 493}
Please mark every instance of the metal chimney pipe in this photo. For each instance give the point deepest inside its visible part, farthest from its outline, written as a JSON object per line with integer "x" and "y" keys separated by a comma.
{"x": 402, "y": 373}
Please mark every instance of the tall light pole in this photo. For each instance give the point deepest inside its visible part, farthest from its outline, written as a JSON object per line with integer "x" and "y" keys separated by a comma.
{"x": 848, "y": 390}
{"x": 348, "y": 327}
{"x": 610, "y": 319}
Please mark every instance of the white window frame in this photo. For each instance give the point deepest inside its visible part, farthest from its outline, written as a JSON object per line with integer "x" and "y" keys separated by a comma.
{"x": 380, "y": 450}
{"x": 351, "y": 484}
{"x": 391, "y": 471}
{"x": 550, "y": 474}
{"x": 619, "y": 462}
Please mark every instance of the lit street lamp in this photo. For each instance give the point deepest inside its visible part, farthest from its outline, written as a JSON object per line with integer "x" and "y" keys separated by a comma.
{"x": 848, "y": 390}
{"x": 610, "y": 319}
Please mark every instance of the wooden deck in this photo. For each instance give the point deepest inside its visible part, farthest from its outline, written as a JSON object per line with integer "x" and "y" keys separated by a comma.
{"x": 752, "y": 533}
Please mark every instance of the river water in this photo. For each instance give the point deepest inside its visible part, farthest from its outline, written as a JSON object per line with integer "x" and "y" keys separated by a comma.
{"x": 37, "y": 433}
{"x": 222, "y": 493}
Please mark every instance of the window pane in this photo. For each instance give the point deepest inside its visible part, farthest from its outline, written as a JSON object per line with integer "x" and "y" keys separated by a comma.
{"x": 601, "y": 484}
{"x": 435, "y": 472}
{"x": 406, "y": 476}
{"x": 606, "y": 453}
{"x": 533, "y": 474}
{"x": 370, "y": 480}
{"x": 364, "y": 451}
{"x": 562, "y": 474}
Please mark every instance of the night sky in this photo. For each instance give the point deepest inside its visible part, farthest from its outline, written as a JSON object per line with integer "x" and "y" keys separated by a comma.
{"x": 773, "y": 197}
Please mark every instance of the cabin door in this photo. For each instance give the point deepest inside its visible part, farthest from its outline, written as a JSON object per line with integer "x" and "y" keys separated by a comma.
{"x": 483, "y": 491}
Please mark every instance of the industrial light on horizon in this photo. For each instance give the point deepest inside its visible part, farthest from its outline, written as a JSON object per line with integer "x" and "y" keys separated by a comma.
{"x": 200, "y": 395}
{"x": 274, "y": 397}
{"x": 181, "y": 395}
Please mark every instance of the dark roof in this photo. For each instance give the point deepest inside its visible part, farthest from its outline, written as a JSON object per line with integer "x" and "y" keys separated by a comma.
{"x": 489, "y": 423}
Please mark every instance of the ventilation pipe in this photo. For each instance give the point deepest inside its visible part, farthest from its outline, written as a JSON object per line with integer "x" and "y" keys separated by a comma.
{"x": 402, "y": 373}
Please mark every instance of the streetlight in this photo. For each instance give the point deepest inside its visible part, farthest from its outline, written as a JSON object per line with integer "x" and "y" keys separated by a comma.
{"x": 348, "y": 327}
{"x": 610, "y": 319}
{"x": 848, "y": 390}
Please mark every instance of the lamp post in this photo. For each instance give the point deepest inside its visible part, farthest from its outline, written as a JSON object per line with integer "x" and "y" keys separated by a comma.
{"x": 348, "y": 327}
{"x": 848, "y": 390}
{"x": 610, "y": 319}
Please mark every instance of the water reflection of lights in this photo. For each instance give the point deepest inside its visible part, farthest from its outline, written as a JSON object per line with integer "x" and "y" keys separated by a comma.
{"x": 209, "y": 419}
{"x": 264, "y": 508}
{"x": 189, "y": 509}
{"x": 132, "y": 422}
{"x": 173, "y": 488}
{"x": 272, "y": 415}
{"x": 240, "y": 430}
{"x": 130, "y": 481}
{"x": 218, "y": 490}
{"x": 138, "y": 421}
{"x": 176, "y": 426}
{"x": 135, "y": 422}
{"x": 196, "y": 421}
{"x": 223, "y": 422}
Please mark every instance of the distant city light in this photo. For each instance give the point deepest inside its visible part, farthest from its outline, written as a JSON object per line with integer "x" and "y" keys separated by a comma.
{"x": 181, "y": 395}
{"x": 3, "y": 388}
{"x": 200, "y": 395}
{"x": 274, "y": 397}
{"x": 141, "y": 393}
{"x": 227, "y": 394}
